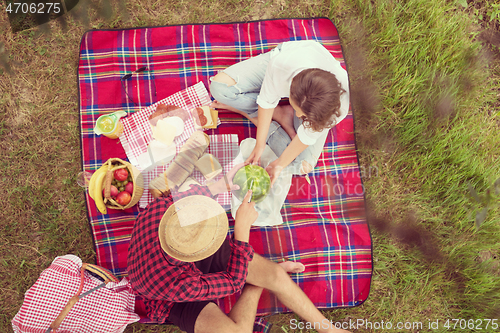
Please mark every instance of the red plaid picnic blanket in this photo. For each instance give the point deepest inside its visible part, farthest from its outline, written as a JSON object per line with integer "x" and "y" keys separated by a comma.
{"x": 324, "y": 222}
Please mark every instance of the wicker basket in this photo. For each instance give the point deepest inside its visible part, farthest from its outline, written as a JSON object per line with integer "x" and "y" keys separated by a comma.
{"x": 114, "y": 164}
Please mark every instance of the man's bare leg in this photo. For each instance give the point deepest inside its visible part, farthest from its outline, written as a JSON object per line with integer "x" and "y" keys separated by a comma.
{"x": 292, "y": 267}
{"x": 271, "y": 276}
{"x": 242, "y": 316}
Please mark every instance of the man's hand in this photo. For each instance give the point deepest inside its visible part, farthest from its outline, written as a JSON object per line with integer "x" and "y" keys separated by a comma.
{"x": 230, "y": 176}
{"x": 274, "y": 169}
{"x": 222, "y": 186}
{"x": 246, "y": 215}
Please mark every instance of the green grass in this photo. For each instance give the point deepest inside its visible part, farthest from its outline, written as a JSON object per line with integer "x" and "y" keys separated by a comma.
{"x": 424, "y": 87}
{"x": 433, "y": 135}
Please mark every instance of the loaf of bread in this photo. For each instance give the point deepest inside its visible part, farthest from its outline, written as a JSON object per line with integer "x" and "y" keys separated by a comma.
{"x": 209, "y": 166}
{"x": 182, "y": 166}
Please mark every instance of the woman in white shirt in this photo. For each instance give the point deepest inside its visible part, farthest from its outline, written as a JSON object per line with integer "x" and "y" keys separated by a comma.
{"x": 318, "y": 91}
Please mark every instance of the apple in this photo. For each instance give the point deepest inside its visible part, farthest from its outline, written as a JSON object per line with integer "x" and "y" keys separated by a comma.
{"x": 121, "y": 174}
{"x": 129, "y": 187}
{"x": 113, "y": 192}
{"x": 123, "y": 198}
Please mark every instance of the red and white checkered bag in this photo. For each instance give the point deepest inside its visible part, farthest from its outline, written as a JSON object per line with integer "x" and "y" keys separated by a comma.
{"x": 107, "y": 309}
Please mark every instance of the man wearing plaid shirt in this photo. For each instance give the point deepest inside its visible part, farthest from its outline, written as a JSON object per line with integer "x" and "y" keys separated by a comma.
{"x": 184, "y": 292}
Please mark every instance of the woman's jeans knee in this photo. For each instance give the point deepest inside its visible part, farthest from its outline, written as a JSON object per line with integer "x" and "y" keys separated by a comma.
{"x": 248, "y": 75}
{"x": 278, "y": 140}
{"x": 232, "y": 96}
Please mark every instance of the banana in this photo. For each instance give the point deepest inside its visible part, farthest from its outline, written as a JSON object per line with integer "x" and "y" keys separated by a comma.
{"x": 99, "y": 200}
{"x": 92, "y": 181}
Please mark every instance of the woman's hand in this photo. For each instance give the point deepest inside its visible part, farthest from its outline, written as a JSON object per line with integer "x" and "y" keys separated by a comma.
{"x": 255, "y": 155}
{"x": 274, "y": 170}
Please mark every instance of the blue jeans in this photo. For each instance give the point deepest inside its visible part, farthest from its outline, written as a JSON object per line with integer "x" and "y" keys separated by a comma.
{"x": 242, "y": 96}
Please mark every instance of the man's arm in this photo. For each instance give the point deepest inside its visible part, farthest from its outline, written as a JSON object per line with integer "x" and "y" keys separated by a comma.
{"x": 189, "y": 287}
{"x": 225, "y": 184}
{"x": 216, "y": 285}
{"x": 193, "y": 190}
{"x": 246, "y": 215}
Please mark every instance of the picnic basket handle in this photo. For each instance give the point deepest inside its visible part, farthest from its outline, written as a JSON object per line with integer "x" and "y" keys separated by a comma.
{"x": 109, "y": 177}
{"x": 57, "y": 322}
{"x": 103, "y": 273}
{"x": 107, "y": 183}
{"x": 106, "y": 275}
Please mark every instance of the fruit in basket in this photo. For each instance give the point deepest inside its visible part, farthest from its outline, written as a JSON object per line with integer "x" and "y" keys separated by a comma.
{"x": 104, "y": 178}
{"x": 113, "y": 191}
{"x": 121, "y": 174}
{"x": 98, "y": 198}
{"x": 255, "y": 178}
{"x": 129, "y": 187}
{"x": 123, "y": 198}
{"x": 92, "y": 182}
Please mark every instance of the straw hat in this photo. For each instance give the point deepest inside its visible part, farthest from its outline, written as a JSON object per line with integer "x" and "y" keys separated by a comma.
{"x": 193, "y": 228}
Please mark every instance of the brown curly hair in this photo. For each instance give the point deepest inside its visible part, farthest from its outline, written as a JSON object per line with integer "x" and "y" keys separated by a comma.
{"x": 317, "y": 93}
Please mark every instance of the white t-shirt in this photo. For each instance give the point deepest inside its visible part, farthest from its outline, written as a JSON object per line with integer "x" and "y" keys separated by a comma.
{"x": 284, "y": 64}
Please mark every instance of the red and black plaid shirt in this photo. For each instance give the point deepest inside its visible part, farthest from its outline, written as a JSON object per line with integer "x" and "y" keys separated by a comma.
{"x": 162, "y": 280}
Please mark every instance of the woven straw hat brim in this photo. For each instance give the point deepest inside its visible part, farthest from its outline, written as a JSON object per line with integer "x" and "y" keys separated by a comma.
{"x": 193, "y": 228}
